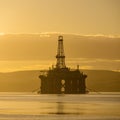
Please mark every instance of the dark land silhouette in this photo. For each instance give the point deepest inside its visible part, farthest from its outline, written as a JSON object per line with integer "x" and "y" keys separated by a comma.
{"x": 28, "y": 81}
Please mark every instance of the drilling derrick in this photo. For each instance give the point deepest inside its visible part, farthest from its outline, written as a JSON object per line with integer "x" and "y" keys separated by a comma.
{"x": 62, "y": 79}
{"x": 60, "y": 54}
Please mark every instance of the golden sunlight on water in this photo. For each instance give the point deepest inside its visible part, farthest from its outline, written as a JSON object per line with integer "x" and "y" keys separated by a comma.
{"x": 45, "y": 107}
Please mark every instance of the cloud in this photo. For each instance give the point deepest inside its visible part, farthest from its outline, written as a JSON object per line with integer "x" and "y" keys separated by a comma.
{"x": 47, "y": 34}
{"x": 84, "y": 35}
{"x": 44, "y": 35}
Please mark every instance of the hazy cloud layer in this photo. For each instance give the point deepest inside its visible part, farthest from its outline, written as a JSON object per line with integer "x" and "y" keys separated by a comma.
{"x": 42, "y": 46}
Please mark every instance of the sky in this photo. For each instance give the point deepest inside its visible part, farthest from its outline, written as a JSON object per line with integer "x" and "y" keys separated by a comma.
{"x": 67, "y": 16}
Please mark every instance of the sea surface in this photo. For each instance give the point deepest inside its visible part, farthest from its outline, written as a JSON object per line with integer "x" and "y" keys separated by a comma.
{"x": 33, "y": 106}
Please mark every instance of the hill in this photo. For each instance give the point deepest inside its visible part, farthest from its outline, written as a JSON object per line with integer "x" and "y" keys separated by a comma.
{"x": 103, "y": 80}
{"x": 28, "y": 81}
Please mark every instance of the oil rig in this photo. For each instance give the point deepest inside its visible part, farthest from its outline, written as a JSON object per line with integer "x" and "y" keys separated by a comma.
{"x": 61, "y": 79}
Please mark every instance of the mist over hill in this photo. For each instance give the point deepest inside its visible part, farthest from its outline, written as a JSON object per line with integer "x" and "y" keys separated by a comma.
{"x": 44, "y": 46}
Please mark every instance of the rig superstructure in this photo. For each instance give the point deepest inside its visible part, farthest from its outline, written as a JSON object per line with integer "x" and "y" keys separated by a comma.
{"x": 62, "y": 79}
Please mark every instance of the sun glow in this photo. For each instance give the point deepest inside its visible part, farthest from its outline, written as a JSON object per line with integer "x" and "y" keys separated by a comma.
{"x": 1, "y": 34}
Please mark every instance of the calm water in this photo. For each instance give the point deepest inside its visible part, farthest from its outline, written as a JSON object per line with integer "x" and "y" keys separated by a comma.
{"x": 28, "y": 106}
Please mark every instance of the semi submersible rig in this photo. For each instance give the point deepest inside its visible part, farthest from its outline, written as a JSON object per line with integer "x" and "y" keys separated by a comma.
{"x": 61, "y": 79}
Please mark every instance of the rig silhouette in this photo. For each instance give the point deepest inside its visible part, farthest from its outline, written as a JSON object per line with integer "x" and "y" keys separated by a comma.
{"x": 61, "y": 79}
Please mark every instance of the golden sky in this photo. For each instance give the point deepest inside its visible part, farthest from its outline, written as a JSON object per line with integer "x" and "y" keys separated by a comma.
{"x": 68, "y": 16}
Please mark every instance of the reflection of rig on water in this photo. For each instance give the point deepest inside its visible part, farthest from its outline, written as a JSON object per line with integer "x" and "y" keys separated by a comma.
{"x": 61, "y": 79}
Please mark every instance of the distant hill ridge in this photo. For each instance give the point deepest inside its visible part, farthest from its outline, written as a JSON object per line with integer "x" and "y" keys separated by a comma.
{"x": 28, "y": 81}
